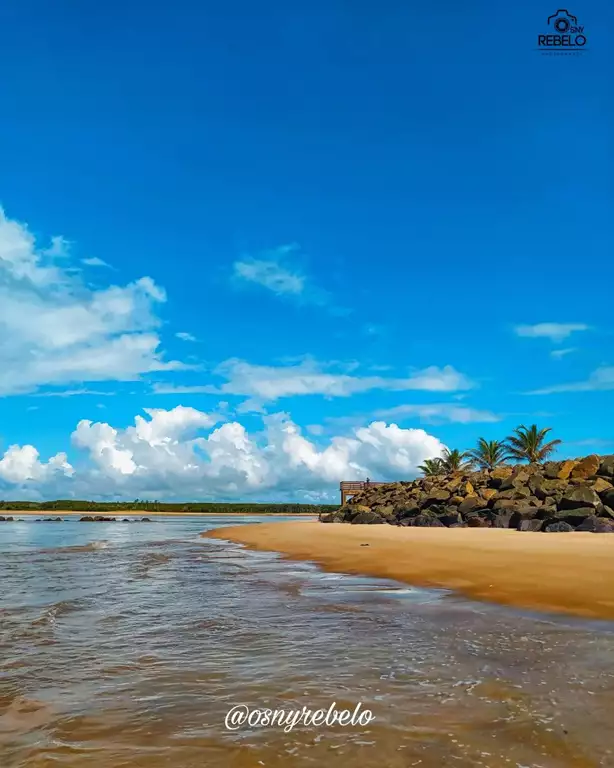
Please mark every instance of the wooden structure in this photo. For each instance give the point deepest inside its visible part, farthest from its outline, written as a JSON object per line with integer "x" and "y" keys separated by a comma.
{"x": 350, "y": 487}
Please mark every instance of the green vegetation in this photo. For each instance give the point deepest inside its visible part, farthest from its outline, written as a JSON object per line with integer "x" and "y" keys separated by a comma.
{"x": 454, "y": 461}
{"x": 432, "y": 467}
{"x": 524, "y": 444}
{"x": 489, "y": 455}
{"x": 119, "y": 507}
{"x": 527, "y": 443}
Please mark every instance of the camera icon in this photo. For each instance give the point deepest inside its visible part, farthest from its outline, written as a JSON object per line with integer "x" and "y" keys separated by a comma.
{"x": 562, "y": 21}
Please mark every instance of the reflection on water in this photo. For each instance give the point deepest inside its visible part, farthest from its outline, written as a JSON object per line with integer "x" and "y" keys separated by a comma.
{"x": 126, "y": 645}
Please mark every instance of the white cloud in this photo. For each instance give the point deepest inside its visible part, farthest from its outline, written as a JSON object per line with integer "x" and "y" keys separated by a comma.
{"x": 559, "y": 353}
{"x": 264, "y": 383}
{"x": 277, "y": 271}
{"x": 556, "y": 332}
{"x": 600, "y": 379}
{"x": 21, "y": 464}
{"x": 73, "y": 393}
{"x": 58, "y": 331}
{"x": 182, "y": 454}
{"x": 184, "y": 336}
{"x": 270, "y": 273}
{"x": 94, "y": 261}
{"x": 437, "y": 413}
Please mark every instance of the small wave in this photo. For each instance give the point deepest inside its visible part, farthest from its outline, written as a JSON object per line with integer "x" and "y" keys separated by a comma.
{"x": 56, "y": 611}
{"x": 92, "y": 546}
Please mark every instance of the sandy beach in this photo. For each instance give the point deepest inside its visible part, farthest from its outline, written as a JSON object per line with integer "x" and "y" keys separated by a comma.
{"x": 571, "y": 573}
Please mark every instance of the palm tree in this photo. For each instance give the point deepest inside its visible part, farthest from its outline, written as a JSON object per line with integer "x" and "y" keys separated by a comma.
{"x": 527, "y": 443}
{"x": 454, "y": 461}
{"x": 488, "y": 455}
{"x": 431, "y": 467}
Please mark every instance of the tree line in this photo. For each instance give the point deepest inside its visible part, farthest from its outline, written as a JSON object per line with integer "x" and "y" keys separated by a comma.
{"x": 140, "y": 505}
{"x": 524, "y": 444}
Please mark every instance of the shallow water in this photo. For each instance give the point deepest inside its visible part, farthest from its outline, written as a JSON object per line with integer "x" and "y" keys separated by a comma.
{"x": 125, "y": 645}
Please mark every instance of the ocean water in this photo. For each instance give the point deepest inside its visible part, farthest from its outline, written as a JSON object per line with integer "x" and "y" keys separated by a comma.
{"x": 126, "y": 645}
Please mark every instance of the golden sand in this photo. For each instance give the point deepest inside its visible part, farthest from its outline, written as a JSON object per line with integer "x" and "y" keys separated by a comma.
{"x": 569, "y": 573}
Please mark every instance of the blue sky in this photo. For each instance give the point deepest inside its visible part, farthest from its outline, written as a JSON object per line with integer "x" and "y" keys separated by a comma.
{"x": 356, "y": 216}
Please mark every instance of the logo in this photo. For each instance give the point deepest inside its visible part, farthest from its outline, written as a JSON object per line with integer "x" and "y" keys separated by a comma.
{"x": 565, "y": 36}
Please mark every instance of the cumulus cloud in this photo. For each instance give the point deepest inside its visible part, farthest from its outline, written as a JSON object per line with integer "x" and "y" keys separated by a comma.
{"x": 267, "y": 383}
{"x": 184, "y": 453}
{"x": 21, "y": 464}
{"x": 556, "y": 332}
{"x": 600, "y": 379}
{"x": 57, "y": 331}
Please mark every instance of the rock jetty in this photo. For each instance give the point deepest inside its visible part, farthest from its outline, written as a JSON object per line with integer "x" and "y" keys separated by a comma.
{"x": 557, "y": 496}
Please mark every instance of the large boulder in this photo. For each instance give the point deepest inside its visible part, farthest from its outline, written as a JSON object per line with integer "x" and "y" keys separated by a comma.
{"x": 502, "y": 520}
{"x": 367, "y": 518}
{"x": 499, "y": 475}
{"x": 601, "y": 485}
{"x": 579, "y": 496}
{"x": 606, "y": 468}
{"x": 586, "y": 467}
{"x": 543, "y": 488}
{"x": 426, "y": 521}
{"x": 471, "y": 502}
{"x": 518, "y": 479}
{"x": 533, "y": 525}
{"x": 607, "y": 497}
{"x": 403, "y": 511}
{"x": 559, "y": 526}
{"x": 436, "y": 496}
{"x": 596, "y": 525}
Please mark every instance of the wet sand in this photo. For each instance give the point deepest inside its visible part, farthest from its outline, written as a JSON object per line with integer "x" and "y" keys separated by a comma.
{"x": 570, "y": 573}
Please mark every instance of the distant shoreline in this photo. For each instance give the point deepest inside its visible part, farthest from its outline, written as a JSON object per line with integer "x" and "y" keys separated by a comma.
{"x": 553, "y": 573}
{"x": 46, "y": 513}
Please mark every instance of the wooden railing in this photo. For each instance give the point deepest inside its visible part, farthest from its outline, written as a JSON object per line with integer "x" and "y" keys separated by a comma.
{"x": 350, "y": 487}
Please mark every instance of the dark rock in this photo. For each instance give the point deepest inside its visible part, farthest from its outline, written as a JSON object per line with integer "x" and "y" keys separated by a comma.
{"x": 560, "y": 526}
{"x": 384, "y": 510}
{"x": 86, "y": 519}
{"x": 504, "y": 504}
{"x": 580, "y": 496}
{"x": 596, "y": 525}
{"x": 606, "y": 512}
{"x": 328, "y": 517}
{"x": 367, "y": 518}
{"x": 478, "y": 522}
{"x": 143, "y": 520}
{"x": 518, "y": 479}
{"x": 406, "y": 510}
{"x": 436, "y": 496}
{"x": 471, "y": 502}
{"x": 450, "y": 520}
{"x": 502, "y": 520}
{"x": 522, "y": 513}
{"x": 530, "y": 525}
{"x": 606, "y": 468}
{"x": 426, "y": 521}
{"x": 499, "y": 475}
{"x": 608, "y": 498}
